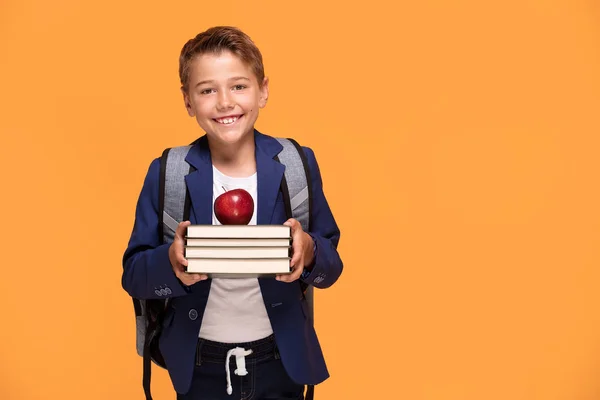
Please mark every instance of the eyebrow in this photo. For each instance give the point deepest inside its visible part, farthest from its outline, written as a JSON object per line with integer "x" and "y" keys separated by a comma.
{"x": 235, "y": 78}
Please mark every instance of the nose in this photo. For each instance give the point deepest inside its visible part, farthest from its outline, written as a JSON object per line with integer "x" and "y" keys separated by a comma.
{"x": 224, "y": 101}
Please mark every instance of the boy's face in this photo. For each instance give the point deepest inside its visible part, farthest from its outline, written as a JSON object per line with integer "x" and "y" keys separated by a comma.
{"x": 224, "y": 96}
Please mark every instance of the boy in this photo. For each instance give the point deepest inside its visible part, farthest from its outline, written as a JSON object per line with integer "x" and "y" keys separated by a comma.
{"x": 224, "y": 86}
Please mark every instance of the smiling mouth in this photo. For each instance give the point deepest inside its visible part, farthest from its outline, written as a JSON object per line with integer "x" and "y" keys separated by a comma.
{"x": 228, "y": 120}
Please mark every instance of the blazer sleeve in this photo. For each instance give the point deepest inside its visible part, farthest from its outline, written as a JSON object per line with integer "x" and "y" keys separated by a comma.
{"x": 327, "y": 265}
{"x": 147, "y": 270}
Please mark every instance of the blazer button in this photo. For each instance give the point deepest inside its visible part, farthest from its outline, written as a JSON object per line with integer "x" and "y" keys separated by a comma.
{"x": 193, "y": 314}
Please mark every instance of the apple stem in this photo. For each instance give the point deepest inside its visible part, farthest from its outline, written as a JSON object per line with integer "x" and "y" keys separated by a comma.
{"x": 224, "y": 188}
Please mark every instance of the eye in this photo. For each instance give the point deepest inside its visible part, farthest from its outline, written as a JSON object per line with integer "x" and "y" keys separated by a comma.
{"x": 207, "y": 91}
{"x": 239, "y": 87}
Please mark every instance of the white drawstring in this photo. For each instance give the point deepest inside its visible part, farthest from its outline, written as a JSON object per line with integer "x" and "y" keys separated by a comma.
{"x": 240, "y": 362}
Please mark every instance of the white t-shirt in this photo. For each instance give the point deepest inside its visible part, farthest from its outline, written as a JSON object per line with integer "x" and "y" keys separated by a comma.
{"x": 235, "y": 311}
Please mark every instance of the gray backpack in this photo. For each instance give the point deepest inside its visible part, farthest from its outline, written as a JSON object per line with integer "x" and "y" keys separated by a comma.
{"x": 174, "y": 207}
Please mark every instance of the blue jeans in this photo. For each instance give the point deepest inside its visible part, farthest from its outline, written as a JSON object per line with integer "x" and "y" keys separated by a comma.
{"x": 266, "y": 378}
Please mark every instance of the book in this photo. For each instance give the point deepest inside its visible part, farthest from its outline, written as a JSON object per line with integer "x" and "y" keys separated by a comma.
{"x": 243, "y": 266}
{"x": 237, "y": 252}
{"x": 239, "y": 231}
{"x": 241, "y": 242}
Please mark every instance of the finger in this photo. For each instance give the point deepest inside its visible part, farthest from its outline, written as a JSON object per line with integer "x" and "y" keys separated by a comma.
{"x": 290, "y": 277}
{"x": 178, "y": 242}
{"x": 195, "y": 277}
{"x": 296, "y": 253}
{"x": 189, "y": 279}
{"x": 295, "y": 258}
{"x": 293, "y": 224}
{"x": 295, "y": 274}
{"x": 183, "y": 277}
{"x": 181, "y": 259}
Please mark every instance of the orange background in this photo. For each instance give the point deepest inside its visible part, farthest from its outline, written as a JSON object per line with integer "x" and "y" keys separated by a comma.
{"x": 458, "y": 143}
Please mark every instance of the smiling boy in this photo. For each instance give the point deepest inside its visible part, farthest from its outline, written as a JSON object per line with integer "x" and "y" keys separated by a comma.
{"x": 224, "y": 87}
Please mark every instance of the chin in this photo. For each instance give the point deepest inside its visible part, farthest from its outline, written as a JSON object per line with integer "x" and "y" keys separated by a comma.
{"x": 232, "y": 137}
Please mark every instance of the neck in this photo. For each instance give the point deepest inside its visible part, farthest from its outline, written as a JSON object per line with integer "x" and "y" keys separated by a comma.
{"x": 234, "y": 159}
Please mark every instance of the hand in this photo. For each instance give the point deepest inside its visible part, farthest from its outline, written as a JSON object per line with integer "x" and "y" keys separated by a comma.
{"x": 178, "y": 261}
{"x": 302, "y": 251}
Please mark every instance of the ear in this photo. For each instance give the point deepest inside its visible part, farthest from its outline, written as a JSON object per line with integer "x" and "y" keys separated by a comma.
{"x": 264, "y": 93}
{"x": 188, "y": 104}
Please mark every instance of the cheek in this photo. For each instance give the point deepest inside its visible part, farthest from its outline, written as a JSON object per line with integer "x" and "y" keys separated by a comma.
{"x": 203, "y": 108}
{"x": 249, "y": 104}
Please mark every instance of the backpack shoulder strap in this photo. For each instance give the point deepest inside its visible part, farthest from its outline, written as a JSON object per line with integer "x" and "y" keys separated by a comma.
{"x": 297, "y": 195}
{"x": 174, "y": 200}
{"x": 298, "y": 182}
{"x": 173, "y": 207}
{"x": 171, "y": 188}
{"x": 296, "y": 188}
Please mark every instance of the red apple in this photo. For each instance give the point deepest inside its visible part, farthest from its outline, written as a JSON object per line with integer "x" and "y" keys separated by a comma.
{"x": 234, "y": 207}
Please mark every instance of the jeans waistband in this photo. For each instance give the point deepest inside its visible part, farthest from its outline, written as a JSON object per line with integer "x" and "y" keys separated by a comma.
{"x": 216, "y": 352}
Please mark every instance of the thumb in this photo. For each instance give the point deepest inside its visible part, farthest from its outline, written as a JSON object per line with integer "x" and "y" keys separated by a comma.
{"x": 181, "y": 229}
{"x": 291, "y": 223}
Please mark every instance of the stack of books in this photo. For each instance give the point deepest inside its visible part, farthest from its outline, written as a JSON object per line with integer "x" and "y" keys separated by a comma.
{"x": 238, "y": 250}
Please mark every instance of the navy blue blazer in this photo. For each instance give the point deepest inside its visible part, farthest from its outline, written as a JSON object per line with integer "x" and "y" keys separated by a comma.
{"x": 147, "y": 268}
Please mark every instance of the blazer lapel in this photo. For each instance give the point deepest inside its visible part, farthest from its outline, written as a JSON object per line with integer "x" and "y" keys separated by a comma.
{"x": 269, "y": 175}
{"x": 200, "y": 182}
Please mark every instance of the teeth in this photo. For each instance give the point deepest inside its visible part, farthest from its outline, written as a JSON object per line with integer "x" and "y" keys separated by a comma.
{"x": 227, "y": 121}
